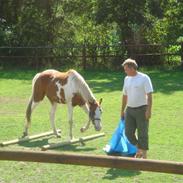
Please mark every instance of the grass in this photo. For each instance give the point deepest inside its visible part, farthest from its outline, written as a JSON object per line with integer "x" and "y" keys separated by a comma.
{"x": 165, "y": 128}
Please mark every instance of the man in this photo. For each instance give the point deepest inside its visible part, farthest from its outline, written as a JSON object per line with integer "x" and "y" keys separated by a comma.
{"x": 136, "y": 106}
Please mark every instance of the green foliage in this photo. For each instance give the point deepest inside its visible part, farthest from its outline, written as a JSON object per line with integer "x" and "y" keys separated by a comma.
{"x": 58, "y": 22}
{"x": 172, "y": 59}
{"x": 126, "y": 14}
{"x": 168, "y": 26}
{"x": 93, "y": 23}
{"x": 180, "y": 39}
{"x": 173, "y": 16}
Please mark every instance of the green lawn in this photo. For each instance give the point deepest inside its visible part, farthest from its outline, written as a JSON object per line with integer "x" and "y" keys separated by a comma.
{"x": 166, "y": 128}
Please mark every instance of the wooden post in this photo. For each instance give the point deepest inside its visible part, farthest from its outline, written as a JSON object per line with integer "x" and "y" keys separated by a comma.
{"x": 73, "y": 141}
{"x": 94, "y": 160}
{"x": 19, "y": 140}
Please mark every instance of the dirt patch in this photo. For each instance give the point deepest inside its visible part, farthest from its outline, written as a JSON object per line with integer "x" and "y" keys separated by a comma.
{"x": 9, "y": 100}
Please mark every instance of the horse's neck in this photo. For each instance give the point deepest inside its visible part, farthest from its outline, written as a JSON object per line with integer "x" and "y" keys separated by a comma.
{"x": 83, "y": 87}
{"x": 88, "y": 95}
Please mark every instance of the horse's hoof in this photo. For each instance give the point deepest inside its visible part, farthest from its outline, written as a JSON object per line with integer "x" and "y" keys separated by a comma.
{"x": 82, "y": 129}
{"x": 81, "y": 142}
{"x": 70, "y": 138}
{"x": 58, "y": 135}
{"x": 24, "y": 135}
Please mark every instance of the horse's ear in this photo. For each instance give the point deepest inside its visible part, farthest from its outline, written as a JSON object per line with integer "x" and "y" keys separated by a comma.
{"x": 100, "y": 101}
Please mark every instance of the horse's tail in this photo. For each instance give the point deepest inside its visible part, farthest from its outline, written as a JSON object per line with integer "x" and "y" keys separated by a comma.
{"x": 27, "y": 117}
{"x": 31, "y": 100}
{"x": 29, "y": 111}
{"x": 30, "y": 107}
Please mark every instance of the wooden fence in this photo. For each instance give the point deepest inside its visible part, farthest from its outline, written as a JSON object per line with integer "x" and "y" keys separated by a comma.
{"x": 92, "y": 56}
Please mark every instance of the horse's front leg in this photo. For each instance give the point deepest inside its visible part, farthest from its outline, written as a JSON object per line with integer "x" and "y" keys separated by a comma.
{"x": 87, "y": 125}
{"x": 52, "y": 119}
{"x": 70, "y": 116}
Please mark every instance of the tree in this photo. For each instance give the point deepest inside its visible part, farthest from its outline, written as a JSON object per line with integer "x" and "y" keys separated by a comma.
{"x": 128, "y": 15}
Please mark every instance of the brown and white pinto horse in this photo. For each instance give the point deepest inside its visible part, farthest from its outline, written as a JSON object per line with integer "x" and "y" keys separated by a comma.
{"x": 67, "y": 88}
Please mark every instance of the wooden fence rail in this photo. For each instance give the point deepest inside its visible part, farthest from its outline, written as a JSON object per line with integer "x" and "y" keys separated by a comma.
{"x": 94, "y": 160}
{"x": 92, "y": 56}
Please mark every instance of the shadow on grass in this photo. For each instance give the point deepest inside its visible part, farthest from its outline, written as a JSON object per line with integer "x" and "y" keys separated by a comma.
{"x": 114, "y": 173}
{"x": 45, "y": 141}
{"x": 35, "y": 143}
{"x": 97, "y": 81}
{"x": 165, "y": 81}
{"x": 76, "y": 148}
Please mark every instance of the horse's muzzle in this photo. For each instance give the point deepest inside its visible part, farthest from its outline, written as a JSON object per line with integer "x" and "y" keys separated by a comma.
{"x": 98, "y": 128}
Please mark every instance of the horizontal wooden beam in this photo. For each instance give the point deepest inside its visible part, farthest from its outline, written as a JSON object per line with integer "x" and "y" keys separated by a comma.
{"x": 28, "y": 138}
{"x": 94, "y": 160}
{"x": 73, "y": 141}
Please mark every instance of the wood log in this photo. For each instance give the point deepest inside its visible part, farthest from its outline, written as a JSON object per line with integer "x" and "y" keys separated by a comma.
{"x": 94, "y": 160}
{"x": 73, "y": 141}
{"x": 28, "y": 138}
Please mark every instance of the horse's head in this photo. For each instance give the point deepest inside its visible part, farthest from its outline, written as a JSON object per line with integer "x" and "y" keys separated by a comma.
{"x": 95, "y": 114}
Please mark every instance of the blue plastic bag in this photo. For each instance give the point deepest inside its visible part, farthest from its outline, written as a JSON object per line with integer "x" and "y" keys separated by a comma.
{"x": 119, "y": 143}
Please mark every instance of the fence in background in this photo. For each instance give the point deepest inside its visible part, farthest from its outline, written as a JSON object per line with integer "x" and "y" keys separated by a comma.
{"x": 91, "y": 56}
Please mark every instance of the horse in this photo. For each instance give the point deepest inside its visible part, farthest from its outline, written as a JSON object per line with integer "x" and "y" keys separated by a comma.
{"x": 63, "y": 88}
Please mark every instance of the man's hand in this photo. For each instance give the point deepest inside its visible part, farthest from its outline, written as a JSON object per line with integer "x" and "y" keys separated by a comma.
{"x": 123, "y": 106}
{"x": 148, "y": 114}
{"x": 122, "y": 115}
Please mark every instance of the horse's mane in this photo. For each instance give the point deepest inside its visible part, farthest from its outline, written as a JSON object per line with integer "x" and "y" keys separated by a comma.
{"x": 82, "y": 87}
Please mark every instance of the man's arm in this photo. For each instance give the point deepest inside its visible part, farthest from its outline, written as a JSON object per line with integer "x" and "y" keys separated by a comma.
{"x": 149, "y": 106}
{"x": 123, "y": 105}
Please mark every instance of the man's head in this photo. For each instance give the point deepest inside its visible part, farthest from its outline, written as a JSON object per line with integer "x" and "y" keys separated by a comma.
{"x": 130, "y": 67}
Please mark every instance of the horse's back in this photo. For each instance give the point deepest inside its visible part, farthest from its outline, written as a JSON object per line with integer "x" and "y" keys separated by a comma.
{"x": 55, "y": 85}
{"x": 40, "y": 83}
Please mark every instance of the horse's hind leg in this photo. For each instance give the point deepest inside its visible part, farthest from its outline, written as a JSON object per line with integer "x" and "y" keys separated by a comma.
{"x": 52, "y": 119}
{"x": 30, "y": 107}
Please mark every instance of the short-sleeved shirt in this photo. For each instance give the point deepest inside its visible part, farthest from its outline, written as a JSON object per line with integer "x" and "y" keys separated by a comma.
{"x": 136, "y": 88}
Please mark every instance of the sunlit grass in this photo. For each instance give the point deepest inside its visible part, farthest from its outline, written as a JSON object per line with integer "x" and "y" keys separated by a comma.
{"x": 165, "y": 128}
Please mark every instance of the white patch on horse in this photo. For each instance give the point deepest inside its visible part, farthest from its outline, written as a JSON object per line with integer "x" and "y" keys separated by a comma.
{"x": 98, "y": 112}
{"x": 59, "y": 86}
{"x": 34, "y": 104}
